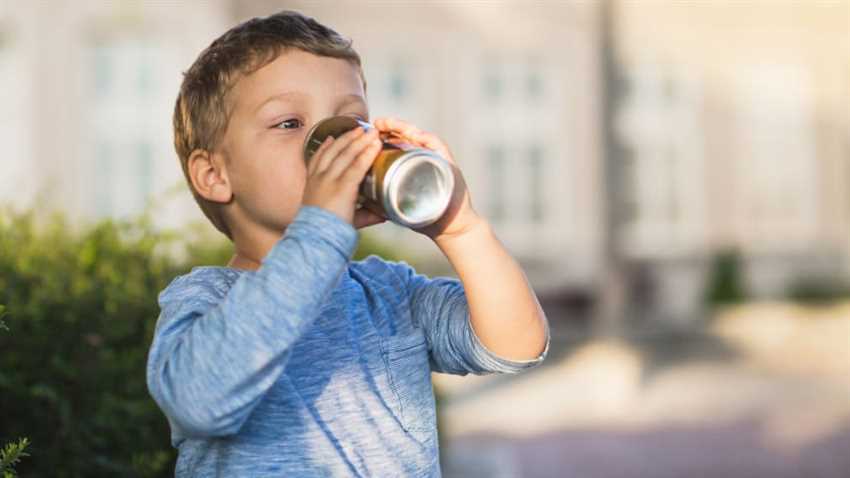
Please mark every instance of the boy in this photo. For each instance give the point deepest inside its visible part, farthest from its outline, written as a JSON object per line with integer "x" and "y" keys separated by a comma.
{"x": 293, "y": 361}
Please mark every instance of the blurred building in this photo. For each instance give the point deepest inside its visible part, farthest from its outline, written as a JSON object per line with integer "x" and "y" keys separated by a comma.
{"x": 735, "y": 124}
{"x": 88, "y": 88}
{"x": 731, "y": 122}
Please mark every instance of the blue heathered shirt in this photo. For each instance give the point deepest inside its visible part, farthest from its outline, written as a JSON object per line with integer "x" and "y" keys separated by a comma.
{"x": 312, "y": 365}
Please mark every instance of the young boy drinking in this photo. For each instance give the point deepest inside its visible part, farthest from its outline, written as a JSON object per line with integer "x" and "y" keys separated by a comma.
{"x": 292, "y": 360}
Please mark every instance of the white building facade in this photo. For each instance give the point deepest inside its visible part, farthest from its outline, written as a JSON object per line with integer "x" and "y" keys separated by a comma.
{"x": 88, "y": 91}
{"x": 734, "y": 119}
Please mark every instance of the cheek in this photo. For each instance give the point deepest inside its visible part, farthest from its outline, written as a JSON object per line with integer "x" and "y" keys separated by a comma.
{"x": 270, "y": 163}
{"x": 271, "y": 171}
{"x": 284, "y": 178}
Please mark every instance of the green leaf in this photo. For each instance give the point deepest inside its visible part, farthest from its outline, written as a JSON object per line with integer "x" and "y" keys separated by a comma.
{"x": 11, "y": 454}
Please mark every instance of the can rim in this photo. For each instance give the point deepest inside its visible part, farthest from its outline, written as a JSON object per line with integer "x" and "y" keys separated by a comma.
{"x": 345, "y": 124}
{"x": 390, "y": 195}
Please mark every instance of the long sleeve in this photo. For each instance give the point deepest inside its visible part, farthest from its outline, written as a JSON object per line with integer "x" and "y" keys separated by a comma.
{"x": 216, "y": 353}
{"x": 440, "y": 307}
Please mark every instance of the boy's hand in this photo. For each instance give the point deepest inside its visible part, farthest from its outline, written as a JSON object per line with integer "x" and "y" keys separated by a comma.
{"x": 459, "y": 217}
{"x": 334, "y": 174}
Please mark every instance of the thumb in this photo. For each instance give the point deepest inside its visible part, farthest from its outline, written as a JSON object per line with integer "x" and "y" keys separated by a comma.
{"x": 364, "y": 217}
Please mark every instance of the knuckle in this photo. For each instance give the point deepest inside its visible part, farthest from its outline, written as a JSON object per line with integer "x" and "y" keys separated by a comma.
{"x": 354, "y": 133}
{"x": 357, "y": 148}
{"x": 365, "y": 139}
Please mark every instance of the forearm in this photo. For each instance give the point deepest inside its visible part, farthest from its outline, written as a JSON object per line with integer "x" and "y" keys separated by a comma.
{"x": 208, "y": 371}
{"x": 504, "y": 310}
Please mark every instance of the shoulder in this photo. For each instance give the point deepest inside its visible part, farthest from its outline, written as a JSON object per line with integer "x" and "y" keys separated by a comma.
{"x": 202, "y": 285}
{"x": 378, "y": 269}
{"x": 381, "y": 279}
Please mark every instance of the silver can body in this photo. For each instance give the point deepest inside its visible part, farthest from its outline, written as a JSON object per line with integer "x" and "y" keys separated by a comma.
{"x": 408, "y": 185}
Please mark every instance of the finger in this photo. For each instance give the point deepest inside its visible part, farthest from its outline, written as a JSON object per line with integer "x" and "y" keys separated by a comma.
{"x": 364, "y": 217}
{"x": 314, "y": 159}
{"x": 432, "y": 142}
{"x": 411, "y": 134}
{"x": 358, "y": 168}
{"x": 421, "y": 139}
{"x": 397, "y": 127}
{"x": 363, "y": 150}
{"x": 338, "y": 146}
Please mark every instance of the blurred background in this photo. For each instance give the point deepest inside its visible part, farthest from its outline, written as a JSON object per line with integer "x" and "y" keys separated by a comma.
{"x": 673, "y": 176}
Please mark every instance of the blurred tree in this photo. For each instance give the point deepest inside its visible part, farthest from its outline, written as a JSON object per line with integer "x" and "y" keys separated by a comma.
{"x": 83, "y": 308}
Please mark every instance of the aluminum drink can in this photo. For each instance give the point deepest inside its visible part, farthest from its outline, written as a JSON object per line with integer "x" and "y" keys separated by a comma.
{"x": 408, "y": 185}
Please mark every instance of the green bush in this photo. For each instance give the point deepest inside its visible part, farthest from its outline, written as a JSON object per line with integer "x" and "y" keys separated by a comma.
{"x": 82, "y": 306}
{"x": 725, "y": 281}
{"x": 11, "y": 453}
{"x": 817, "y": 291}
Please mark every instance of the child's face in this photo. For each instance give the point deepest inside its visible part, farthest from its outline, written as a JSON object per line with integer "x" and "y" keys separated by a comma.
{"x": 272, "y": 110}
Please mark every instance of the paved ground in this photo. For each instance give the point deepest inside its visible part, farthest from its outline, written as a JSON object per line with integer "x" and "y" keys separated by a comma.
{"x": 768, "y": 396}
{"x": 727, "y": 450}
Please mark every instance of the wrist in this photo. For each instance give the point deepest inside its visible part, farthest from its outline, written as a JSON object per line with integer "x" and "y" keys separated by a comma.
{"x": 320, "y": 223}
{"x": 472, "y": 233}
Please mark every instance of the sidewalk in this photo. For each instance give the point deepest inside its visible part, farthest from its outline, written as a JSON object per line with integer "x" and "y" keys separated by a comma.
{"x": 763, "y": 396}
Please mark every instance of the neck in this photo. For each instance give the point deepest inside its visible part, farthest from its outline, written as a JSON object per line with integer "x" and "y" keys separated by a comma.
{"x": 252, "y": 246}
{"x": 241, "y": 261}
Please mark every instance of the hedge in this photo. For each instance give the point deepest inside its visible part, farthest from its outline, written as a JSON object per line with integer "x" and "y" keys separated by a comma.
{"x": 81, "y": 307}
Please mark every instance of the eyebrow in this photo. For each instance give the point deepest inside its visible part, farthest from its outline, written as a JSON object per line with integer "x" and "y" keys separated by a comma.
{"x": 296, "y": 95}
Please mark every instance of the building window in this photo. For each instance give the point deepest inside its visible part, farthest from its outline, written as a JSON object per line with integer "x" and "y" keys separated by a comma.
{"x": 658, "y": 124}
{"x": 497, "y": 174}
{"x": 103, "y": 180}
{"x": 777, "y": 166}
{"x": 492, "y": 82}
{"x": 125, "y": 68}
{"x": 124, "y": 77}
{"x": 535, "y": 184}
{"x": 144, "y": 75}
{"x": 629, "y": 209}
{"x": 102, "y": 67}
{"x": 534, "y": 86}
{"x": 145, "y": 172}
{"x": 398, "y": 82}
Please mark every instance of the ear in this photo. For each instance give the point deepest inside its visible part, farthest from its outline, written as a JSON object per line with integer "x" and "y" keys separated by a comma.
{"x": 208, "y": 174}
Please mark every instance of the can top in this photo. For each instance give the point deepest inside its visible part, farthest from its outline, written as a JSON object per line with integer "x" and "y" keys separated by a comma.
{"x": 418, "y": 188}
{"x": 334, "y": 126}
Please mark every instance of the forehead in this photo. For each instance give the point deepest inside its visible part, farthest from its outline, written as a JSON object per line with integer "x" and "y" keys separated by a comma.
{"x": 315, "y": 77}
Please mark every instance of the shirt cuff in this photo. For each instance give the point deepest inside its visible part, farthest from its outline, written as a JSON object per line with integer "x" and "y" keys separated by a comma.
{"x": 318, "y": 223}
{"x": 498, "y": 364}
